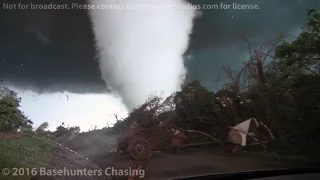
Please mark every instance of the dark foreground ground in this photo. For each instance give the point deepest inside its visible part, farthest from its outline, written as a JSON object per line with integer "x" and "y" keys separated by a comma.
{"x": 100, "y": 149}
{"x": 96, "y": 151}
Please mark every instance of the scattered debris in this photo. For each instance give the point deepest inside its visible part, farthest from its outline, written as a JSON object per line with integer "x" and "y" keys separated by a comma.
{"x": 238, "y": 135}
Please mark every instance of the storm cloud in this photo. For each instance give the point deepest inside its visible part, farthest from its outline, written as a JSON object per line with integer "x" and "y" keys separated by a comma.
{"x": 216, "y": 35}
{"x": 54, "y": 51}
{"x": 49, "y": 51}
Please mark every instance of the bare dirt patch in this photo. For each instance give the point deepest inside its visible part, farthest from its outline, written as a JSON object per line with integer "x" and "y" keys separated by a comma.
{"x": 10, "y": 135}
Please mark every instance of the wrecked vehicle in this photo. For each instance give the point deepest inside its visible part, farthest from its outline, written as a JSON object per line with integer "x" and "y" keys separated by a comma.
{"x": 140, "y": 142}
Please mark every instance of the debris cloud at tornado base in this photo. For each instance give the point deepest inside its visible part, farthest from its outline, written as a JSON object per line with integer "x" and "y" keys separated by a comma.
{"x": 140, "y": 51}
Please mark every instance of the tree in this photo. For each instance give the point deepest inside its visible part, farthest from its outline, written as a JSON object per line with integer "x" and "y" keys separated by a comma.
{"x": 292, "y": 94}
{"x": 296, "y": 67}
{"x": 199, "y": 109}
{"x": 74, "y": 129}
{"x": 65, "y": 131}
{"x": 301, "y": 56}
{"x": 11, "y": 118}
{"x": 41, "y": 129}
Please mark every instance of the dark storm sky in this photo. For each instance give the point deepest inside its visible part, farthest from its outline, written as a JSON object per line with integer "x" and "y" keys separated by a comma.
{"x": 54, "y": 51}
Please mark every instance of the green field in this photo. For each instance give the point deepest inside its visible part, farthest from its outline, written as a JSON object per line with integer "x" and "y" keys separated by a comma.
{"x": 30, "y": 151}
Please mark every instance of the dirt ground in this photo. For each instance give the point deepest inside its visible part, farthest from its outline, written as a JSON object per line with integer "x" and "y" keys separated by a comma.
{"x": 101, "y": 151}
{"x": 65, "y": 158}
{"x": 10, "y": 135}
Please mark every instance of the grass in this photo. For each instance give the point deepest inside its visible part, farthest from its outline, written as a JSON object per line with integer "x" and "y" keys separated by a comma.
{"x": 30, "y": 151}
